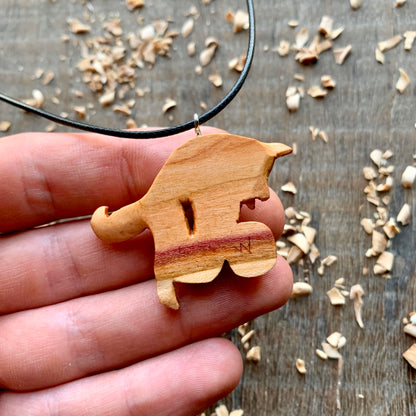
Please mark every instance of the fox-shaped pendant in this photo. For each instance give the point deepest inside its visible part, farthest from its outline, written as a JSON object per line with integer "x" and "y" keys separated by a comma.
{"x": 193, "y": 210}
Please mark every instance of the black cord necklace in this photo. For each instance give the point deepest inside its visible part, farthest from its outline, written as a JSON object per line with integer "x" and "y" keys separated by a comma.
{"x": 154, "y": 133}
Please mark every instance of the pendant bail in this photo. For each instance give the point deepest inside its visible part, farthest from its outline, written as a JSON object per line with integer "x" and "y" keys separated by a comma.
{"x": 196, "y": 125}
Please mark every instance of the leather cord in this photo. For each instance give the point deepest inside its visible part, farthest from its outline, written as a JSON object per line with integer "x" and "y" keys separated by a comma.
{"x": 161, "y": 132}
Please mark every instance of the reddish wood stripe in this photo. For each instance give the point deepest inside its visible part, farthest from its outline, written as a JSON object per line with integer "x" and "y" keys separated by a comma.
{"x": 242, "y": 243}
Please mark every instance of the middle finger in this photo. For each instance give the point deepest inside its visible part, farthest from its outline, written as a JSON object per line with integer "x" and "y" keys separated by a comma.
{"x": 114, "y": 329}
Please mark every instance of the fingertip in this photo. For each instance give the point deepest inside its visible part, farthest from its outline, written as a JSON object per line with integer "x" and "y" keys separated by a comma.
{"x": 269, "y": 212}
{"x": 285, "y": 276}
{"x": 228, "y": 357}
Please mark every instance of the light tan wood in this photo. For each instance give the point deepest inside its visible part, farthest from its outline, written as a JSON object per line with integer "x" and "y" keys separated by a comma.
{"x": 193, "y": 209}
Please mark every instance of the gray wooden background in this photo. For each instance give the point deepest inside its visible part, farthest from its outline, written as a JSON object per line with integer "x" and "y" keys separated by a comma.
{"x": 362, "y": 113}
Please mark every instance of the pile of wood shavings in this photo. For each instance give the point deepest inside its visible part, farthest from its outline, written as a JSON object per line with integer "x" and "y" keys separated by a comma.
{"x": 110, "y": 63}
{"x": 308, "y": 54}
{"x": 253, "y": 352}
{"x": 383, "y": 227}
{"x": 409, "y": 36}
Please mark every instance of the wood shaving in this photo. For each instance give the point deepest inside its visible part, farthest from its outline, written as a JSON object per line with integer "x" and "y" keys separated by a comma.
{"x": 409, "y": 37}
{"x": 321, "y": 354}
{"x": 368, "y": 225}
{"x": 48, "y": 78}
{"x": 293, "y": 102}
{"x": 169, "y": 105}
{"x": 376, "y": 156}
{"x": 356, "y": 294}
{"x": 309, "y": 233}
{"x": 301, "y": 38}
{"x": 5, "y": 126}
{"x": 314, "y": 132}
{"x": 191, "y": 49}
{"x": 403, "y": 82}
{"x": 334, "y": 340}
{"x": 75, "y": 26}
{"x": 379, "y": 56}
{"x": 254, "y": 354}
{"x": 289, "y": 187}
{"x": 384, "y": 263}
{"x": 221, "y": 411}
{"x": 284, "y": 48}
{"x": 391, "y": 229}
{"x": 135, "y": 4}
{"x": 216, "y": 80}
{"x": 239, "y": 20}
{"x": 237, "y": 64}
{"x": 404, "y": 215}
{"x": 37, "y": 99}
{"x": 389, "y": 43}
{"x": 294, "y": 255}
{"x": 187, "y": 28}
{"x": 408, "y": 176}
{"x": 246, "y": 337}
{"x": 336, "y": 297}
{"x": 356, "y": 4}
{"x": 50, "y": 128}
{"x": 317, "y": 92}
{"x": 341, "y": 54}
{"x": 325, "y": 27}
{"x": 410, "y": 356}
{"x": 400, "y": 3}
{"x": 369, "y": 173}
{"x": 237, "y": 412}
{"x": 131, "y": 124}
{"x": 379, "y": 242}
{"x": 299, "y": 77}
{"x": 307, "y": 56}
{"x": 327, "y": 81}
{"x": 336, "y": 33}
{"x": 323, "y": 46}
{"x": 330, "y": 351}
{"x": 329, "y": 260}
{"x": 122, "y": 109}
{"x": 80, "y": 111}
{"x": 299, "y": 240}
{"x": 386, "y": 186}
{"x": 322, "y": 134}
{"x": 301, "y": 289}
{"x": 107, "y": 98}
{"x": 300, "y": 366}
{"x": 242, "y": 329}
{"x": 410, "y": 329}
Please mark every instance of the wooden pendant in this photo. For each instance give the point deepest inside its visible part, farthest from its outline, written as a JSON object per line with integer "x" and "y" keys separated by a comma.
{"x": 193, "y": 209}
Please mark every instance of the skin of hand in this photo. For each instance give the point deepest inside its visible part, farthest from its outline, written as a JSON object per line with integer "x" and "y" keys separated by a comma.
{"x": 82, "y": 331}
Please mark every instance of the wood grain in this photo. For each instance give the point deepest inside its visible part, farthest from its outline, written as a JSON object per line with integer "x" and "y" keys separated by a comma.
{"x": 363, "y": 112}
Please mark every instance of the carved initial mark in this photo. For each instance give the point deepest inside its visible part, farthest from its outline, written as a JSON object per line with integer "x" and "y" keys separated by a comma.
{"x": 244, "y": 247}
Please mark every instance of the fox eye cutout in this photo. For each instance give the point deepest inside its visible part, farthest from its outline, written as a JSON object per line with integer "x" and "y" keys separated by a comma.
{"x": 189, "y": 215}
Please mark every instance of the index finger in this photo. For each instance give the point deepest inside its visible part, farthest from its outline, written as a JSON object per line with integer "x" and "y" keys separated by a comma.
{"x": 50, "y": 176}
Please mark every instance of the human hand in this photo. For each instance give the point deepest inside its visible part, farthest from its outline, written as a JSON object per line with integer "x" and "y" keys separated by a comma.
{"x": 82, "y": 330}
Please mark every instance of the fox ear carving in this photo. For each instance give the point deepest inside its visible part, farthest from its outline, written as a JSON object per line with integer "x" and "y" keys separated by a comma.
{"x": 214, "y": 174}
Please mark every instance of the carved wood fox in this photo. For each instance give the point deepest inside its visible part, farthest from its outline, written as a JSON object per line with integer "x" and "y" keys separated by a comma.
{"x": 193, "y": 209}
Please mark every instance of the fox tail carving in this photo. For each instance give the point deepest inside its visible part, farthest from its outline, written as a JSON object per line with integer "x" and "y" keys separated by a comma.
{"x": 121, "y": 225}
